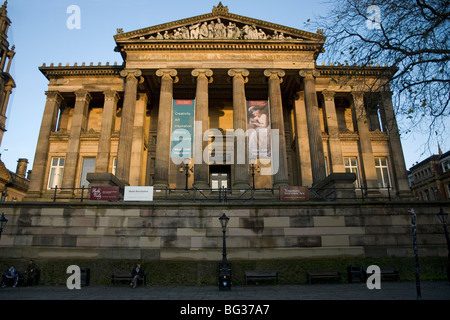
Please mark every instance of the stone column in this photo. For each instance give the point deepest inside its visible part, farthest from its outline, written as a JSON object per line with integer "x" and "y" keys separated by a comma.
{"x": 335, "y": 155}
{"x": 302, "y": 140}
{"x": 365, "y": 144}
{"x": 398, "y": 160}
{"x": 104, "y": 143}
{"x": 162, "y": 161}
{"x": 137, "y": 171}
{"x": 275, "y": 76}
{"x": 79, "y": 120}
{"x": 240, "y": 122}
{"x": 201, "y": 168}
{"x": 314, "y": 130}
{"x": 133, "y": 77}
{"x": 48, "y": 125}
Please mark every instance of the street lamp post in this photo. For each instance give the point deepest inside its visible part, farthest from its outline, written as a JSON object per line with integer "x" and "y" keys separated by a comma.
{"x": 254, "y": 168}
{"x": 224, "y": 266}
{"x": 3, "y": 222}
{"x": 442, "y": 215}
{"x": 416, "y": 259}
{"x": 185, "y": 169}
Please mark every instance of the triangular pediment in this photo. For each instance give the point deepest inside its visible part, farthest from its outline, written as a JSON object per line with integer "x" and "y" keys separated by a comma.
{"x": 220, "y": 24}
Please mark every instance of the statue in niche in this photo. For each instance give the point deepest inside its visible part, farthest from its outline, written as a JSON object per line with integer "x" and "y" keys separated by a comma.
{"x": 211, "y": 30}
{"x": 194, "y": 31}
{"x": 220, "y": 30}
{"x": 203, "y": 32}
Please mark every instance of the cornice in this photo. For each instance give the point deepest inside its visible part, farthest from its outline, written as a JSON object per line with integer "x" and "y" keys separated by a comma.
{"x": 58, "y": 71}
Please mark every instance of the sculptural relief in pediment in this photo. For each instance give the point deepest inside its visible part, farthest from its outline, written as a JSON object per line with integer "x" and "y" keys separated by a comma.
{"x": 218, "y": 29}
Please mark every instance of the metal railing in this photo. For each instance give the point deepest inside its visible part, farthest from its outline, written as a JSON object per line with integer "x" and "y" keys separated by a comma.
{"x": 226, "y": 194}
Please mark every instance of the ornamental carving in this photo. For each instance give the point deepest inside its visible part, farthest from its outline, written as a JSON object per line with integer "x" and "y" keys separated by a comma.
{"x": 217, "y": 29}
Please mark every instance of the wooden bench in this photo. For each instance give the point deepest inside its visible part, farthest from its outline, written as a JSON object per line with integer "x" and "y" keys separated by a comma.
{"x": 387, "y": 272}
{"x": 323, "y": 274}
{"x": 260, "y": 275}
{"x": 125, "y": 276}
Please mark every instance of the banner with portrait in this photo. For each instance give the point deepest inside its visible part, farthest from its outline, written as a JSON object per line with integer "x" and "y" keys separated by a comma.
{"x": 258, "y": 129}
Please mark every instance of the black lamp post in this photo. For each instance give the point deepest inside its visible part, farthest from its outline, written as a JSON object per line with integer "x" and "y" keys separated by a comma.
{"x": 3, "y": 222}
{"x": 224, "y": 266}
{"x": 254, "y": 168}
{"x": 443, "y": 218}
{"x": 416, "y": 258}
{"x": 185, "y": 169}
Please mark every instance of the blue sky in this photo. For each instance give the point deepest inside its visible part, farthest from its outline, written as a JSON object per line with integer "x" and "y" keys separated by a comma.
{"x": 40, "y": 33}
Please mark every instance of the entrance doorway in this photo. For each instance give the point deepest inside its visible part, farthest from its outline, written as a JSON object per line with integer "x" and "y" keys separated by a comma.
{"x": 220, "y": 177}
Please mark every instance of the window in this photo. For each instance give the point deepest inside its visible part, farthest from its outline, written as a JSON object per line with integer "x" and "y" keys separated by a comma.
{"x": 56, "y": 172}
{"x": 381, "y": 165}
{"x": 446, "y": 166}
{"x": 88, "y": 166}
{"x": 114, "y": 167}
{"x": 351, "y": 165}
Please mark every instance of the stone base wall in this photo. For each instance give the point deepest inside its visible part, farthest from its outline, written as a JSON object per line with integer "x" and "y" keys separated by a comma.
{"x": 189, "y": 231}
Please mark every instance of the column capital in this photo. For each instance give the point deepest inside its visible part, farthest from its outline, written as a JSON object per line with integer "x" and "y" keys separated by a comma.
{"x": 83, "y": 95}
{"x": 272, "y": 73}
{"x": 357, "y": 95}
{"x": 207, "y": 73}
{"x": 54, "y": 95}
{"x": 125, "y": 73}
{"x": 111, "y": 95}
{"x": 328, "y": 95}
{"x": 171, "y": 73}
{"x": 309, "y": 73}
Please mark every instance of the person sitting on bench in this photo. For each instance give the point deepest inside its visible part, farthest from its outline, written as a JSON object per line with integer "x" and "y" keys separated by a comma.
{"x": 11, "y": 274}
{"x": 136, "y": 273}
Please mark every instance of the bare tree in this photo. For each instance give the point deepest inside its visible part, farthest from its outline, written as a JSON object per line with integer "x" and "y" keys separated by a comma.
{"x": 411, "y": 36}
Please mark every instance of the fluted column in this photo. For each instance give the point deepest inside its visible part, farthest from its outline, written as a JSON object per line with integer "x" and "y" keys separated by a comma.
{"x": 239, "y": 77}
{"x": 334, "y": 142}
{"x": 79, "y": 120}
{"x": 302, "y": 140}
{"x": 368, "y": 160}
{"x": 201, "y": 168}
{"x": 133, "y": 77}
{"x": 48, "y": 124}
{"x": 137, "y": 170}
{"x": 162, "y": 161}
{"x": 275, "y": 76}
{"x": 314, "y": 130}
{"x": 395, "y": 146}
{"x": 104, "y": 144}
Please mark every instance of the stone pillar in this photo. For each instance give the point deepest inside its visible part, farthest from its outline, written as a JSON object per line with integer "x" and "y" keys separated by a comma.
{"x": 240, "y": 122}
{"x": 133, "y": 77}
{"x": 104, "y": 143}
{"x": 302, "y": 140}
{"x": 137, "y": 171}
{"x": 162, "y": 161}
{"x": 334, "y": 142}
{"x": 398, "y": 160}
{"x": 368, "y": 161}
{"x": 79, "y": 120}
{"x": 48, "y": 124}
{"x": 275, "y": 76}
{"x": 201, "y": 168}
{"x": 314, "y": 130}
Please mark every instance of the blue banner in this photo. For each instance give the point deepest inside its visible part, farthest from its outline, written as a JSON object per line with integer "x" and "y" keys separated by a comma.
{"x": 182, "y": 139}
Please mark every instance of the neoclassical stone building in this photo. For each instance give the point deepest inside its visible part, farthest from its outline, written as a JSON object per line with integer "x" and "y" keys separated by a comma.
{"x": 230, "y": 73}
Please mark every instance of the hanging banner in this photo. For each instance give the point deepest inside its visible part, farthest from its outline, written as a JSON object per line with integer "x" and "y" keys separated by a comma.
{"x": 258, "y": 128}
{"x": 182, "y": 137}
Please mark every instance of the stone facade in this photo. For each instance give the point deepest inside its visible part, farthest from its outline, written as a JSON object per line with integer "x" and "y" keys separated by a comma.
{"x": 117, "y": 118}
{"x": 193, "y": 232}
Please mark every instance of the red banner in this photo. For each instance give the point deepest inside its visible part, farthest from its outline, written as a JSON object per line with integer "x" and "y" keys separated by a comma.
{"x": 104, "y": 193}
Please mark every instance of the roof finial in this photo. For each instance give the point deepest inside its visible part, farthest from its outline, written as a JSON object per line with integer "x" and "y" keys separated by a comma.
{"x": 4, "y": 4}
{"x": 220, "y": 9}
